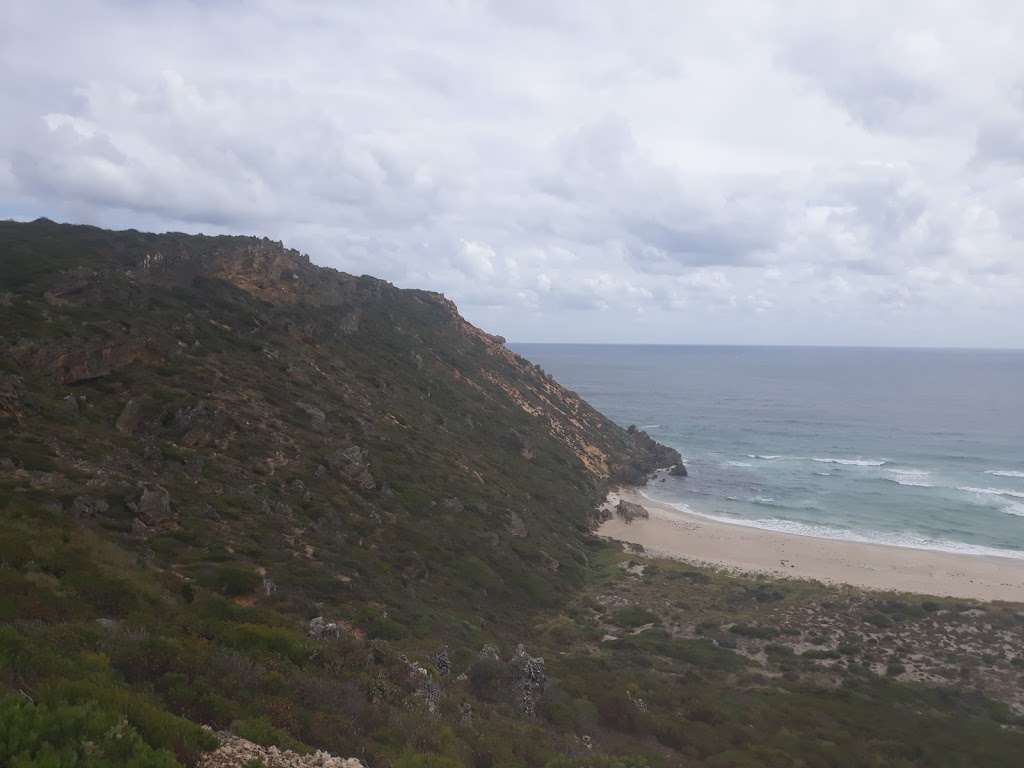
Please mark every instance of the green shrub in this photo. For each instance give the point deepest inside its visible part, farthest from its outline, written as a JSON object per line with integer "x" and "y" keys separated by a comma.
{"x": 634, "y": 617}
{"x": 72, "y": 736}
{"x": 759, "y": 633}
{"x": 256, "y": 637}
{"x": 232, "y": 580}
{"x": 821, "y": 653}
{"x": 263, "y": 732}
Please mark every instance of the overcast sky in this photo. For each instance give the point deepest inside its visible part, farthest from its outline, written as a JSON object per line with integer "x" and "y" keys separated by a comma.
{"x": 645, "y": 171}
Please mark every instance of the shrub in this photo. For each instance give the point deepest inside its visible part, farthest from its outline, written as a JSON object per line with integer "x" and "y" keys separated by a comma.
{"x": 69, "y": 736}
{"x": 759, "y": 633}
{"x": 263, "y": 732}
{"x": 821, "y": 653}
{"x": 634, "y": 617}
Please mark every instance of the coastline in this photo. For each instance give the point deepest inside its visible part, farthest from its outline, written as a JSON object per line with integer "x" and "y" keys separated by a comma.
{"x": 671, "y": 533}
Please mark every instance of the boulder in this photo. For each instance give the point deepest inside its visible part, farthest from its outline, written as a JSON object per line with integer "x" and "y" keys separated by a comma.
{"x": 318, "y": 419}
{"x": 87, "y": 506}
{"x": 130, "y": 416}
{"x": 629, "y": 511}
{"x": 153, "y": 506}
{"x": 322, "y": 630}
{"x": 351, "y": 462}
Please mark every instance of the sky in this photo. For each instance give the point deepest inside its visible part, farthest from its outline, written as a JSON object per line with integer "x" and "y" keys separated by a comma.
{"x": 653, "y": 171}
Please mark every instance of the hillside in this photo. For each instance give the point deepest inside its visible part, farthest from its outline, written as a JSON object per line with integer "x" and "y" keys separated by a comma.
{"x": 245, "y": 492}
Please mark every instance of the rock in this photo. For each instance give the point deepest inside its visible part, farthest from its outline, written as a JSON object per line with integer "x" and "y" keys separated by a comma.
{"x": 465, "y": 714}
{"x": 87, "y": 506}
{"x": 452, "y": 505}
{"x": 153, "y": 506}
{"x": 317, "y": 417}
{"x": 521, "y": 443}
{"x": 528, "y": 687}
{"x": 139, "y": 528}
{"x": 426, "y": 688}
{"x": 235, "y": 752}
{"x": 489, "y": 652}
{"x": 678, "y": 470}
{"x": 629, "y": 511}
{"x": 351, "y": 462}
{"x": 514, "y": 525}
{"x": 71, "y": 404}
{"x": 131, "y": 415}
{"x": 441, "y": 662}
{"x": 322, "y": 630}
{"x": 548, "y": 561}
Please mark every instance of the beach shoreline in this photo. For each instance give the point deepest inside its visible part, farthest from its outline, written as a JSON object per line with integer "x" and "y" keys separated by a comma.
{"x": 672, "y": 533}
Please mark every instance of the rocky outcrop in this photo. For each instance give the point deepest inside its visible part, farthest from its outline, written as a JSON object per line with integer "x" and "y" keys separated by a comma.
{"x": 629, "y": 511}
{"x": 519, "y": 682}
{"x": 530, "y": 679}
{"x": 351, "y": 462}
{"x": 323, "y": 630}
{"x": 647, "y": 455}
{"x": 87, "y": 506}
{"x": 153, "y": 507}
{"x": 235, "y": 752}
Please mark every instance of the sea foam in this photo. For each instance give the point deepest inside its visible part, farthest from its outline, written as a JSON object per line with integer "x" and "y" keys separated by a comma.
{"x": 852, "y": 462}
{"x": 1004, "y": 473}
{"x": 991, "y": 491}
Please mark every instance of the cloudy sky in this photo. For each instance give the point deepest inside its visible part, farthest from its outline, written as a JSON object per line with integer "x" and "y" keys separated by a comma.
{"x": 649, "y": 171}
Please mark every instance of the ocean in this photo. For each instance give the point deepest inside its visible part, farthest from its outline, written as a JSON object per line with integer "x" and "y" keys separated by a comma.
{"x": 918, "y": 448}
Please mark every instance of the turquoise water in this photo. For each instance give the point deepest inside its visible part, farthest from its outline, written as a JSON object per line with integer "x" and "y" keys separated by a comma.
{"x": 918, "y": 448}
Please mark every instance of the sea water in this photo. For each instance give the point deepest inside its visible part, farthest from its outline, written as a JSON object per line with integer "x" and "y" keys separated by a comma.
{"x": 919, "y": 448}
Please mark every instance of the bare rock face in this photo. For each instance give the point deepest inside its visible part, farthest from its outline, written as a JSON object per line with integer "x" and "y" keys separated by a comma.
{"x": 629, "y": 511}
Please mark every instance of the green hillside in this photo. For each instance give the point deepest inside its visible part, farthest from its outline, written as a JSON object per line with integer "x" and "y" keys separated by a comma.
{"x": 208, "y": 443}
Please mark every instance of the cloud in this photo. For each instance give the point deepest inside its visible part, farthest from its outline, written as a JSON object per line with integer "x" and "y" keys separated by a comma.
{"x": 775, "y": 172}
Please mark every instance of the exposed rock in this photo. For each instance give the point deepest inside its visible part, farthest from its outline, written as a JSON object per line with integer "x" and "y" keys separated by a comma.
{"x": 441, "y": 662}
{"x": 489, "y": 652}
{"x": 521, "y": 443}
{"x": 648, "y": 455}
{"x": 514, "y": 525}
{"x": 131, "y": 415}
{"x": 153, "y": 506}
{"x": 14, "y": 400}
{"x": 629, "y": 511}
{"x": 352, "y": 463}
{"x": 426, "y": 688}
{"x": 235, "y": 752}
{"x": 87, "y": 506}
{"x": 71, "y": 404}
{"x": 548, "y": 561}
{"x": 452, "y": 505}
{"x": 76, "y": 362}
{"x": 529, "y": 684}
{"x": 678, "y": 470}
{"x": 317, "y": 417}
{"x": 322, "y": 630}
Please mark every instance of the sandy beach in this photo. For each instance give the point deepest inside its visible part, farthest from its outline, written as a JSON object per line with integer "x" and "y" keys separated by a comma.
{"x": 675, "y": 534}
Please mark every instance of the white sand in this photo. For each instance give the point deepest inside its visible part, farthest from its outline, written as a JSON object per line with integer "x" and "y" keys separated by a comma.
{"x": 675, "y": 534}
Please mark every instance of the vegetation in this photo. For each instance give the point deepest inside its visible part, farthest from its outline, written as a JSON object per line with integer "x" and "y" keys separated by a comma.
{"x": 201, "y": 455}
